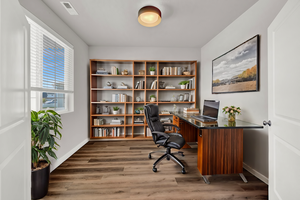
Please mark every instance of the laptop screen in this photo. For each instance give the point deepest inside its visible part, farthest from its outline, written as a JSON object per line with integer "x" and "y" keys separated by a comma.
{"x": 211, "y": 108}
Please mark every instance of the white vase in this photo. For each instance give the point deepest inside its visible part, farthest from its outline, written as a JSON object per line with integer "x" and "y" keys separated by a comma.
{"x": 115, "y": 112}
{"x": 153, "y": 99}
{"x": 182, "y": 86}
{"x": 152, "y": 72}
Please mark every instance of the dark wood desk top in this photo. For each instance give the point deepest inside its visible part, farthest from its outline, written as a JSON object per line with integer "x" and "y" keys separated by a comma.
{"x": 222, "y": 123}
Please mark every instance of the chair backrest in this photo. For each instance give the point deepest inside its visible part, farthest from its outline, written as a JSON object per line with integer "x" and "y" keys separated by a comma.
{"x": 152, "y": 117}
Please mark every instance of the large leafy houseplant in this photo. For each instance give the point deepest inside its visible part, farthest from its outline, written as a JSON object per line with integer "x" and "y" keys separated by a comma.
{"x": 45, "y": 129}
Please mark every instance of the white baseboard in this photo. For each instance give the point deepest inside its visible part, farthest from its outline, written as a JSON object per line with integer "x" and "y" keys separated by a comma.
{"x": 256, "y": 174}
{"x": 59, "y": 161}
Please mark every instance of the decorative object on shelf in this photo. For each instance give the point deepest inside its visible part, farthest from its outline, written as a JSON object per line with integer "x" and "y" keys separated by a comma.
{"x": 179, "y": 71}
{"x": 180, "y": 97}
{"x": 101, "y": 121}
{"x": 108, "y": 85}
{"x": 138, "y": 121}
{"x": 124, "y": 72}
{"x": 186, "y": 71}
{"x": 149, "y": 16}
{"x": 141, "y": 110}
{"x": 116, "y": 110}
{"x": 141, "y": 72}
{"x": 45, "y": 130}
{"x": 122, "y": 86}
{"x": 98, "y": 110}
{"x": 138, "y": 99}
{"x": 152, "y": 70}
{"x": 231, "y": 111}
{"x": 243, "y": 77}
{"x": 161, "y": 85}
{"x": 175, "y": 109}
{"x": 137, "y": 111}
{"x": 173, "y": 98}
{"x": 103, "y": 101}
{"x": 106, "y": 110}
{"x": 152, "y": 98}
{"x": 186, "y": 97}
{"x": 183, "y": 84}
{"x": 165, "y": 112}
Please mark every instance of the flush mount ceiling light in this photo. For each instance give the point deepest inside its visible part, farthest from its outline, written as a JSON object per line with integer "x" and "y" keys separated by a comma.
{"x": 149, "y": 16}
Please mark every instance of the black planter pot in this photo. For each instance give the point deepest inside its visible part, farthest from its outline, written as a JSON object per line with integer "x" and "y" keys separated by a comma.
{"x": 40, "y": 182}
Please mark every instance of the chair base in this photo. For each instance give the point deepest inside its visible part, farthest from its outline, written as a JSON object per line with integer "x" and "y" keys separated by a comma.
{"x": 168, "y": 155}
{"x": 164, "y": 151}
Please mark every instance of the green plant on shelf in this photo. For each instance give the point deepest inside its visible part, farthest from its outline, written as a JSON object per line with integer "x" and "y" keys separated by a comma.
{"x": 183, "y": 82}
{"x": 152, "y": 96}
{"x": 116, "y": 108}
{"x": 152, "y": 69}
{"x": 141, "y": 108}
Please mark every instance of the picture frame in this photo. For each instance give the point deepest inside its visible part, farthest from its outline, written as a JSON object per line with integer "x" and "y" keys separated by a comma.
{"x": 238, "y": 69}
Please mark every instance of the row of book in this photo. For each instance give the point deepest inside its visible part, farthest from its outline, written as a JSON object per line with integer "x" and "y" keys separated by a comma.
{"x": 119, "y": 97}
{"x": 153, "y": 84}
{"x": 140, "y": 85}
{"x": 98, "y": 122}
{"x": 114, "y": 70}
{"x": 190, "y": 110}
{"x": 105, "y": 132}
{"x": 171, "y": 71}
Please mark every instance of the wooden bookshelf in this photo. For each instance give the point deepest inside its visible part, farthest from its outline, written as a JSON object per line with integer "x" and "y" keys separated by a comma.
{"x": 129, "y": 130}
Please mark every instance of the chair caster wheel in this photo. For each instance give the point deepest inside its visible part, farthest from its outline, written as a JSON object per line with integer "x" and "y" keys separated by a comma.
{"x": 154, "y": 169}
{"x": 168, "y": 158}
{"x": 149, "y": 156}
{"x": 182, "y": 155}
{"x": 183, "y": 171}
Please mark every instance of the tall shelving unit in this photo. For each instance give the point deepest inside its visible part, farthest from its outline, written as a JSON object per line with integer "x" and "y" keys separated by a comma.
{"x": 129, "y": 130}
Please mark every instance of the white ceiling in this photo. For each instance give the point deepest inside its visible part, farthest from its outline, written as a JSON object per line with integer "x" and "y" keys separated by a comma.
{"x": 185, "y": 23}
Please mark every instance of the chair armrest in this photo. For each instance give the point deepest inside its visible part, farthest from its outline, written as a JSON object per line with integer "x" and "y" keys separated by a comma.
{"x": 158, "y": 133}
{"x": 173, "y": 125}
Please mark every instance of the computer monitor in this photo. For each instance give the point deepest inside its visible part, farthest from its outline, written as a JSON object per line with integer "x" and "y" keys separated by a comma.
{"x": 211, "y": 108}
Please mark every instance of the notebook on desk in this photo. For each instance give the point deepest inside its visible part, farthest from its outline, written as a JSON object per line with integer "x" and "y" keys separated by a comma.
{"x": 210, "y": 111}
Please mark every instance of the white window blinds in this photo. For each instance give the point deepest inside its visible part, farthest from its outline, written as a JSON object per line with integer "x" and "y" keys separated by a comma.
{"x": 52, "y": 70}
{"x": 51, "y": 62}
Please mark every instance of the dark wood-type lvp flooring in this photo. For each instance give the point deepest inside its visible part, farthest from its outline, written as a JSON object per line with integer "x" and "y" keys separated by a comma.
{"x": 122, "y": 170}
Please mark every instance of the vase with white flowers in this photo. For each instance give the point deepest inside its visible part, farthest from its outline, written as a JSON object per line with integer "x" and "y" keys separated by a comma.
{"x": 231, "y": 111}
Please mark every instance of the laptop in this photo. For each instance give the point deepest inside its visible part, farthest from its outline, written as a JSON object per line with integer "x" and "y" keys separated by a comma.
{"x": 210, "y": 111}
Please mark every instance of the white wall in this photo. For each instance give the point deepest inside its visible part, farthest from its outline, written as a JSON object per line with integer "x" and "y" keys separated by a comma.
{"x": 254, "y": 104}
{"x": 75, "y": 124}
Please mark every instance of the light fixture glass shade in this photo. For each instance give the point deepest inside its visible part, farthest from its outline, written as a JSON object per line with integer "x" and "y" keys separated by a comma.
{"x": 149, "y": 16}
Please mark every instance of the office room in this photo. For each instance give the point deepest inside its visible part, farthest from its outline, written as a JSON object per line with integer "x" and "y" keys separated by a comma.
{"x": 149, "y": 99}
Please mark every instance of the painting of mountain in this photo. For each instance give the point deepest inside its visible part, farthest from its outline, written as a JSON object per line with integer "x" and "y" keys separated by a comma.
{"x": 237, "y": 70}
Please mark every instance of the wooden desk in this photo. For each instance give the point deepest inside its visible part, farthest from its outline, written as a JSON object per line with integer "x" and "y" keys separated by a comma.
{"x": 220, "y": 144}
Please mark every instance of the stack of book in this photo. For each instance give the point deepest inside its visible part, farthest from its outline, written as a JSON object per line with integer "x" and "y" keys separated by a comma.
{"x": 138, "y": 121}
{"x": 169, "y": 87}
{"x": 148, "y": 132}
{"x": 190, "y": 110}
{"x": 140, "y": 85}
{"x": 108, "y": 87}
{"x": 116, "y": 122}
{"x": 166, "y": 121}
{"x": 170, "y": 71}
{"x": 119, "y": 98}
{"x": 122, "y": 87}
{"x": 96, "y": 122}
{"x": 102, "y": 71}
{"x": 153, "y": 84}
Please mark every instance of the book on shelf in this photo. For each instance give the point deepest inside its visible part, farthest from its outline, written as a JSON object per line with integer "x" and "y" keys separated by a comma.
{"x": 102, "y": 71}
{"x": 116, "y": 132}
{"x": 165, "y": 112}
{"x": 169, "y": 87}
{"x": 137, "y": 85}
{"x": 148, "y": 132}
{"x": 122, "y": 87}
{"x": 187, "y": 86}
{"x": 108, "y": 87}
{"x": 191, "y": 83}
{"x": 114, "y": 70}
{"x": 190, "y": 110}
{"x": 119, "y": 97}
{"x": 166, "y": 121}
{"x": 153, "y": 84}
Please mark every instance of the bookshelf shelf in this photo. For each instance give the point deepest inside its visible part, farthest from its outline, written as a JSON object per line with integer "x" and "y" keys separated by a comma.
{"x": 129, "y": 130}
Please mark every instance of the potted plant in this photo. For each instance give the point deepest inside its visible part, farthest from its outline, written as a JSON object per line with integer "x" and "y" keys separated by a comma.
{"x": 152, "y": 70}
{"x": 183, "y": 83}
{"x": 141, "y": 110}
{"x": 152, "y": 98}
{"x": 231, "y": 111}
{"x": 116, "y": 110}
{"x": 45, "y": 129}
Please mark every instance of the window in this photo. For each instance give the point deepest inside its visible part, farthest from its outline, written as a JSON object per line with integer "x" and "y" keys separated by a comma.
{"x": 52, "y": 70}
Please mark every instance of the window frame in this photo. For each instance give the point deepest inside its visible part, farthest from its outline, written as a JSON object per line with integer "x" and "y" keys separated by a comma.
{"x": 69, "y": 94}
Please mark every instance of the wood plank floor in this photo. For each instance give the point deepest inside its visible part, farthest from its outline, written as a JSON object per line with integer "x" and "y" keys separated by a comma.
{"x": 122, "y": 170}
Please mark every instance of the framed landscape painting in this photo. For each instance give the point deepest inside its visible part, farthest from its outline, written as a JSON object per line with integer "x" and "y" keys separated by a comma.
{"x": 237, "y": 70}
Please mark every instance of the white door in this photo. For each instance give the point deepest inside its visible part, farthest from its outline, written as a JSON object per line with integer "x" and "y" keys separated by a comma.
{"x": 15, "y": 155}
{"x": 284, "y": 103}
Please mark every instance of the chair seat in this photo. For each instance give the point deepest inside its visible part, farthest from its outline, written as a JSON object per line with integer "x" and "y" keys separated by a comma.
{"x": 174, "y": 141}
{"x": 176, "y": 134}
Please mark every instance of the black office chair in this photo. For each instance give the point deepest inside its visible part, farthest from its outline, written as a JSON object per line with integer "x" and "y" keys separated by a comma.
{"x": 172, "y": 140}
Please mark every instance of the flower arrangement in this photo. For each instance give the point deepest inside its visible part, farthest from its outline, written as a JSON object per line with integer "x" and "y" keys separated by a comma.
{"x": 231, "y": 111}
